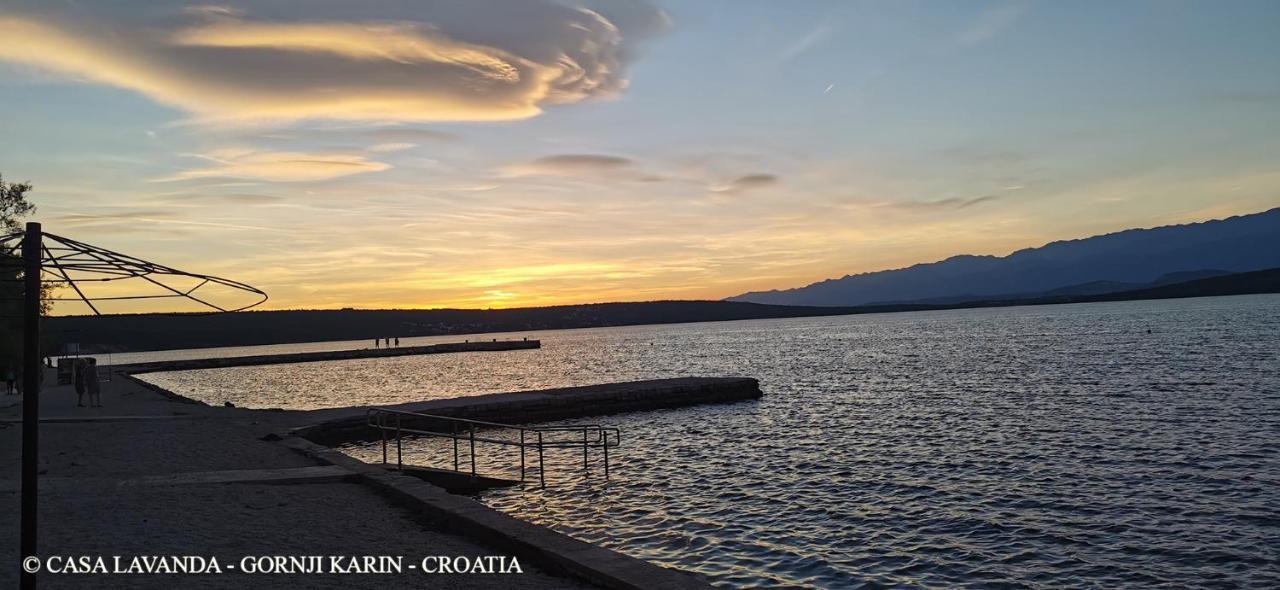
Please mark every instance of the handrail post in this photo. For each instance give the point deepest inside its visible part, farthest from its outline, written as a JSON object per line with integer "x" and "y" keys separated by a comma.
{"x": 383, "y": 432}
{"x": 473, "y": 451}
{"x": 399, "y": 448}
{"x": 453, "y": 428}
{"x": 542, "y": 465}
{"x": 521, "y": 454}
{"x": 584, "y": 452}
{"x": 606, "y": 453}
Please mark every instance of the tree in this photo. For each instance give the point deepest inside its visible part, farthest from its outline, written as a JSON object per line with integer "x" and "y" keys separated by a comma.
{"x": 14, "y": 206}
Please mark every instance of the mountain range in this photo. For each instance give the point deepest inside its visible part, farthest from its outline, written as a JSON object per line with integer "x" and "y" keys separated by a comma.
{"x": 119, "y": 333}
{"x": 1115, "y": 262}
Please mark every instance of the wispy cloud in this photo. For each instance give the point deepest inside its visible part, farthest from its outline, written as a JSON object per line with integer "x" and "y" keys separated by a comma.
{"x": 992, "y": 22}
{"x": 802, "y": 45}
{"x": 395, "y": 146}
{"x": 408, "y": 135}
{"x": 400, "y": 62}
{"x": 745, "y": 183}
{"x": 949, "y": 203}
{"x": 277, "y": 166}
{"x": 570, "y": 165}
{"x": 206, "y": 198}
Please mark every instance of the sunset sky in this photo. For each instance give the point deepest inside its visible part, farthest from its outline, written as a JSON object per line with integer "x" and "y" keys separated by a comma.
{"x": 499, "y": 153}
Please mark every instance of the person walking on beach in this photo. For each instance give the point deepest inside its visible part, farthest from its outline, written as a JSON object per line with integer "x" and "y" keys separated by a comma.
{"x": 77, "y": 377}
{"x": 91, "y": 384}
{"x": 8, "y": 381}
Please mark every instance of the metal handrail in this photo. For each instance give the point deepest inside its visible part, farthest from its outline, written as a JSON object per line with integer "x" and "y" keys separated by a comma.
{"x": 388, "y": 421}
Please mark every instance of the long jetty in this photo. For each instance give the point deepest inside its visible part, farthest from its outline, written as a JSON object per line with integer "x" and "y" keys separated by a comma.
{"x": 551, "y": 550}
{"x": 335, "y": 426}
{"x": 328, "y": 355}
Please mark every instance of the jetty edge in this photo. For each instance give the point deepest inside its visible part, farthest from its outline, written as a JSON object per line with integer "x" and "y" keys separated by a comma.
{"x": 550, "y": 550}
{"x": 343, "y": 425}
{"x": 327, "y": 355}
{"x": 466, "y": 516}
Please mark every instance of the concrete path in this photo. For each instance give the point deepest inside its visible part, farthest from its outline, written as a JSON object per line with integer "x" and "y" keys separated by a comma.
{"x": 147, "y": 475}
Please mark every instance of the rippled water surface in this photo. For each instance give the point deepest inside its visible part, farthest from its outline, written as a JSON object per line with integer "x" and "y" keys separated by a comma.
{"x": 1123, "y": 444}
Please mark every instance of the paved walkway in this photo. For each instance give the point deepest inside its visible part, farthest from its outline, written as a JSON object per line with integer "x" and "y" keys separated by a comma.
{"x": 147, "y": 475}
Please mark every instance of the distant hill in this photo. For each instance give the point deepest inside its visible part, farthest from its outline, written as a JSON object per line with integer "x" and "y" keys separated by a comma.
{"x": 1090, "y": 288}
{"x": 171, "y": 331}
{"x": 1120, "y": 261}
{"x": 165, "y": 331}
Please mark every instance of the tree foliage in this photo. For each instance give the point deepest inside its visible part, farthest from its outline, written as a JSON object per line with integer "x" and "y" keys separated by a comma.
{"x": 14, "y": 207}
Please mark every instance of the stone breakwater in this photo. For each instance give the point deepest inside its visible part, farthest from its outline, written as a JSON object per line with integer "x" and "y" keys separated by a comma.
{"x": 336, "y": 426}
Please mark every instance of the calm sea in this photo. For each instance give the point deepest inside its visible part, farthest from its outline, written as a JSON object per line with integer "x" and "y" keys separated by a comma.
{"x": 1130, "y": 444}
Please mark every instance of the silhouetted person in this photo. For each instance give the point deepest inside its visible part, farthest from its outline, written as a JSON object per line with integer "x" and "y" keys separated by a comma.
{"x": 92, "y": 385}
{"x": 377, "y": 343}
{"x": 8, "y": 381}
{"x": 77, "y": 377}
{"x": 397, "y": 342}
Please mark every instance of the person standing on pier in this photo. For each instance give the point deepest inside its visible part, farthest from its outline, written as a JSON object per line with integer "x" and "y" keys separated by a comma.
{"x": 77, "y": 377}
{"x": 92, "y": 385}
{"x": 397, "y": 342}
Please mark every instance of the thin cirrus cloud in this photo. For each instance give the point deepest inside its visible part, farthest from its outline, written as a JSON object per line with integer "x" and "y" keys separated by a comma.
{"x": 570, "y": 165}
{"x": 992, "y": 22}
{"x": 921, "y": 205}
{"x": 368, "y": 61}
{"x": 277, "y": 166}
{"x": 746, "y": 183}
{"x": 395, "y": 146}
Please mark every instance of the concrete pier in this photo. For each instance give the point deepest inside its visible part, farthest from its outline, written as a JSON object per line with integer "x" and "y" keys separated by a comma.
{"x": 241, "y": 474}
{"x": 336, "y": 426}
{"x": 328, "y": 355}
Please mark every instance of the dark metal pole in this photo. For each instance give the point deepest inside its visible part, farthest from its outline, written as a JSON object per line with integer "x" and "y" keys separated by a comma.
{"x": 31, "y": 369}
{"x": 542, "y": 465}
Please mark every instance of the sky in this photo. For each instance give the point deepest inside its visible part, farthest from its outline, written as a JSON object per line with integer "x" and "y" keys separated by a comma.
{"x": 505, "y": 153}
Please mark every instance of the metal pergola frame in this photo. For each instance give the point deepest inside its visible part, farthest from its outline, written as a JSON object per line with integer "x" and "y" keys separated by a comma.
{"x": 74, "y": 264}
{"x": 68, "y": 261}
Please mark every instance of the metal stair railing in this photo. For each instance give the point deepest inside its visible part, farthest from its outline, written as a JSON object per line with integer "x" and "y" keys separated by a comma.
{"x": 392, "y": 423}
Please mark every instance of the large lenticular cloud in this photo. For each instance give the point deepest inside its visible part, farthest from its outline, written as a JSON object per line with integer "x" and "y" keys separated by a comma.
{"x": 479, "y": 60}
